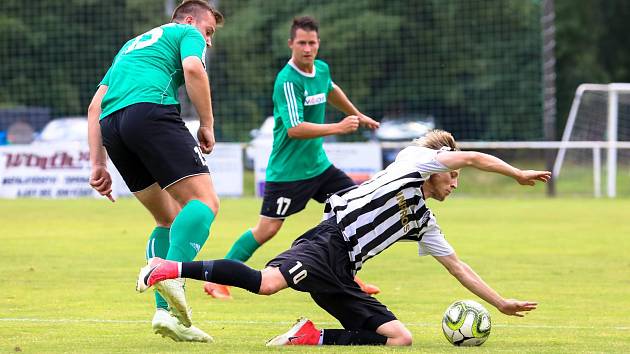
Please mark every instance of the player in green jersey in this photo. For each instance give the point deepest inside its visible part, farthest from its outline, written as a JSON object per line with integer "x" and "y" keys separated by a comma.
{"x": 134, "y": 118}
{"x": 298, "y": 168}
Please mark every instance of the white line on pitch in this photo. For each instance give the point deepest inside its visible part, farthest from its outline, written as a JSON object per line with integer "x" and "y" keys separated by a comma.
{"x": 236, "y": 322}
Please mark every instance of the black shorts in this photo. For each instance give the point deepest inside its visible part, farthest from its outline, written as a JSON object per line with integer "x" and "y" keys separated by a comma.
{"x": 318, "y": 263}
{"x": 282, "y": 199}
{"x": 150, "y": 143}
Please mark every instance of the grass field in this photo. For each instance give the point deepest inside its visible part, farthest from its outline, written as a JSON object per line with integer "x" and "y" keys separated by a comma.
{"x": 68, "y": 270}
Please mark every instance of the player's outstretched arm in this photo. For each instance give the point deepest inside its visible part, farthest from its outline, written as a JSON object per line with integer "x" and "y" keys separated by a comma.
{"x": 338, "y": 98}
{"x": 100, "y": 178}
{"x": 460, "y": 159}
{"x": 473, "y": 282}
{"x": 198, "y": 89}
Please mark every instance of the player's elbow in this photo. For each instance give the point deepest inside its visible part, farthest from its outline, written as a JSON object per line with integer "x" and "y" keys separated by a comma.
{"x": 295, "y": 132}
{"x": 94, "y": 108}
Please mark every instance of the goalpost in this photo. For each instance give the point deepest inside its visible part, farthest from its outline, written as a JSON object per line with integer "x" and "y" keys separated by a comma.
{"x": 594, "y": 121}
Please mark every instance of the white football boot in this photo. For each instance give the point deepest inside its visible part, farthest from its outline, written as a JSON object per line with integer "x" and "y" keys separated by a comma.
{"x": 167, "y": 325}
{"x": 172, "y": 290}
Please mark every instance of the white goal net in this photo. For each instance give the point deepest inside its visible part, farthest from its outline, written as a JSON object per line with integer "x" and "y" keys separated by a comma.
{"x": 597, "y": 134}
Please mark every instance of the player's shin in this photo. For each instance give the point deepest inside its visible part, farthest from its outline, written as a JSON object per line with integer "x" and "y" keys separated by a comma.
{"x": 350, "y": 337}
{"x": 224, "y": 271}
{"x": 158, "y": 246}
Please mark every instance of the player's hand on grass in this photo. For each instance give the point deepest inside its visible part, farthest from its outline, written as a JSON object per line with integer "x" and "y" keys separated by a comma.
{"x": 512, "y": 307}
{"x": 206, "y": 139}
{"x": 348, "y": 125}
{"x": 529, "y": 177}
{"x": 368, "y": 122}
{"x": 101, "y": 181}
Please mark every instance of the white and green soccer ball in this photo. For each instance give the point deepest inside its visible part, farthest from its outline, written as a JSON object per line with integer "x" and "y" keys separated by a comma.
{"x": 466, "y": 323}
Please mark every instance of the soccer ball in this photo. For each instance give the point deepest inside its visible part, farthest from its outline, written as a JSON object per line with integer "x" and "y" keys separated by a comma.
{"x": 466, "y": 323}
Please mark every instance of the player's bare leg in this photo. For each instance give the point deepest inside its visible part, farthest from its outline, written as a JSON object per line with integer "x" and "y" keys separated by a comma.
{"x": 243, "y": 248}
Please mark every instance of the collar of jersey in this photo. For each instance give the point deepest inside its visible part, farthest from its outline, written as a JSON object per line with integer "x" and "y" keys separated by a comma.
{"x": 302, "y": 72}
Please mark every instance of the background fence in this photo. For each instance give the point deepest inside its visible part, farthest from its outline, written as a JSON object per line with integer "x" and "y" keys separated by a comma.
{"x": 472, "y": 65}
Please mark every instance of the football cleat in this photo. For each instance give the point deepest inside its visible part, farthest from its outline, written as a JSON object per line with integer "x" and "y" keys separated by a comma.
{"x": 369, "y": 289}
{"x": 218, "y": 291}
{"x": 157, "y": 269}
{"x": 303, "y": 332}
{"x": 172, "y": 290}
{"x": 167, "y": 325}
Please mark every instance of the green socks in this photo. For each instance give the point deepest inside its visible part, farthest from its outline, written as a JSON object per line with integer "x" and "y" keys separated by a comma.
{"x": 189, "y": 231}
{"x": 243, "y": 248}
{"x": 158, "y": 247}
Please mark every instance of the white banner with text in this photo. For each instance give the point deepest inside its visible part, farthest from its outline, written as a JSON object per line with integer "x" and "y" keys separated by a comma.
{"x": 63, "y": 171}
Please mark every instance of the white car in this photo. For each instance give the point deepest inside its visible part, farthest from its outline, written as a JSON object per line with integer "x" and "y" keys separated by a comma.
{"x": 402, "y": 129}
{"x": 193, "y": 127}
{"x": 67, "y": 129}
{"x": 261, "y": 137}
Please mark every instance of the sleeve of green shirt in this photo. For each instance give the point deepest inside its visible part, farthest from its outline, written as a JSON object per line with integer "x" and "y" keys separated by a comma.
{"x": 193, "y": 44}
{"x": 105, "y": 80}
{"x": 289, "y": 100}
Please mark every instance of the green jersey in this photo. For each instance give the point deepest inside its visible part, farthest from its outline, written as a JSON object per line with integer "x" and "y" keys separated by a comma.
{"x": 298, "y": 97}
{"x": 148, "y": 68}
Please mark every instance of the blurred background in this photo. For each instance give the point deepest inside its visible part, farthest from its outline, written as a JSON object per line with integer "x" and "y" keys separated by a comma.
{"x": 485, "y": 70}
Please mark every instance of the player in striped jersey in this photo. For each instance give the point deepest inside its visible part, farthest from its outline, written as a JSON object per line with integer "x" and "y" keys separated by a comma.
{"x": 359, "y": 225}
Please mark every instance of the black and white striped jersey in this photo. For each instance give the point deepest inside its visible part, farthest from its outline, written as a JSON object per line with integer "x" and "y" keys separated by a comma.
{"x": 390, "y": 207}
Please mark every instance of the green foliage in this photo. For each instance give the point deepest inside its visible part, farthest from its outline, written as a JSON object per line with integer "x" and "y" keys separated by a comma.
{"x": 592, "y": 47}
{"x": 403, "y": 58}
{"x": 474, "y": 65}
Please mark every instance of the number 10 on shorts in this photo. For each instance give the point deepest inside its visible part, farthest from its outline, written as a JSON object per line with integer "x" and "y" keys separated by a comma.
{"x": 300, "y": 275}
{"x": 283, "y": 205}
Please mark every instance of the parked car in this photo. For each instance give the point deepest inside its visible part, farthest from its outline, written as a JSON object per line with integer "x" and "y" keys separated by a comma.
{"x": 402, "y": 129}
{"x": 261, "y": 137}
{"x": 193, "y": 127}
{"x": 63, "y": 130}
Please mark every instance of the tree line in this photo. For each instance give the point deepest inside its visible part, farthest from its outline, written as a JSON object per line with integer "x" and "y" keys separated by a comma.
{"x": 473, "y": 65}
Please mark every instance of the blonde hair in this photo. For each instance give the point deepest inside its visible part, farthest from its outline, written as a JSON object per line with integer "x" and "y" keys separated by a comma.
{"x": 193, "y": 7}
{"x": 437, "y": 139}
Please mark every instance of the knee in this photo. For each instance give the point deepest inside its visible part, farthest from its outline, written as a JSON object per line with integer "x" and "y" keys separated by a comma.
{"x": 267, "y": 288}
{"x": 403, "y": 338}
{"x": 213, "y": 203}
{"x": 271, "y": 281}
{"x": 165, "y": 220}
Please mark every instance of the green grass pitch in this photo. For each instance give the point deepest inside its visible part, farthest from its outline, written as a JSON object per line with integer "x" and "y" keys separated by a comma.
{"x": 67, "y": 273}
